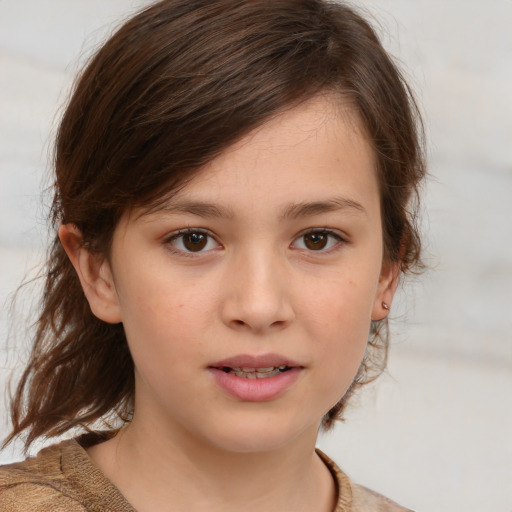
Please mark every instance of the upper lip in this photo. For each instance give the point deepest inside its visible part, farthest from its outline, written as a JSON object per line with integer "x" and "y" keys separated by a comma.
{"x": 252, "y": 361}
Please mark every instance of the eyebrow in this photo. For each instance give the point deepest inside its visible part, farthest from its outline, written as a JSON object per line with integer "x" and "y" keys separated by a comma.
{"x": 296, "y": 210}
{"x": 291, "y": 211}
{"x": 199, "y": 208}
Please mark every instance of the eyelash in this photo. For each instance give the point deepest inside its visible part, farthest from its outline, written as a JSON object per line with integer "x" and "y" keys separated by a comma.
{"x": 339, "y": 240}
{"x": 189, "y": 231}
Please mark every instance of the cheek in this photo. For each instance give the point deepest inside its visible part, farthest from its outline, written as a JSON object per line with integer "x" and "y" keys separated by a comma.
{"x": 342, "y": 338}
{"x": 163, "y": 319}
{"x": 340, "y": 301}
{"x": 162, "y": 296}
{"x": 339, "y": 321}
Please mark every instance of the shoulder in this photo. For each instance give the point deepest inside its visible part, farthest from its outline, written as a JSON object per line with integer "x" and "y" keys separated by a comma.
{"x": 366, "y": 500}
{"x": 356, "y": 498}
{"x": 37, "y": 484}
{"x": 62, "y": 478}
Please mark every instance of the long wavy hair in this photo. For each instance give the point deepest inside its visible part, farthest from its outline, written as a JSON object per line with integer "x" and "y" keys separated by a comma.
{"x": 175, "y": 86}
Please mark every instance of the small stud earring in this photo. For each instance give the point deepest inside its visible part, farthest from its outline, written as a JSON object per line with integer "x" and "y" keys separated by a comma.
{"x": 385, "y": 306}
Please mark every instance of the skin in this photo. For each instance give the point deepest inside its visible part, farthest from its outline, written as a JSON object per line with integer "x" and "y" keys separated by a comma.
{"x": 257, "y": 287}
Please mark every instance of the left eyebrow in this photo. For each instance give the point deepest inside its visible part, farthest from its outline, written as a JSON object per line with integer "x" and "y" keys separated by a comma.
{"x": 296, "y": 210}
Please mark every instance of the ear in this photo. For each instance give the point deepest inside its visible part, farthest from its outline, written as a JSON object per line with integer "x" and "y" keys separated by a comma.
{"x": 94, "y": 273}
{"x": 388, "y": 282}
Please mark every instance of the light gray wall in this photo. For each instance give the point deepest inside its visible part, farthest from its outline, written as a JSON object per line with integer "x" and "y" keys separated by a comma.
{"x": 434, "y": 433}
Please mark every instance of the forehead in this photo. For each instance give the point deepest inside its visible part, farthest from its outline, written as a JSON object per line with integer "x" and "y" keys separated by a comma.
{"x": 316, "y": 149}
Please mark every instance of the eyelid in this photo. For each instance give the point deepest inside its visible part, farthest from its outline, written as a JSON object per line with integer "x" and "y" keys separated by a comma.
{"x": 336, "y": 233}
{"x": 168, "y": 239}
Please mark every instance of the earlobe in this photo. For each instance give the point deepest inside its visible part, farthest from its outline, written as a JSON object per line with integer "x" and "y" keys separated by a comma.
{"x": 386, "y": 289}
{"x": 94, "y": 273}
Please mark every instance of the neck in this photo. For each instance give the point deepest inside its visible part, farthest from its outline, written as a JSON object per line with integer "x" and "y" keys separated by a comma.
{"x": 154, "y": 469}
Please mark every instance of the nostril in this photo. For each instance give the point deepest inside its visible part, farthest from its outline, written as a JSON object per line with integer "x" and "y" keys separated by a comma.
{"x": 277, "y": 324}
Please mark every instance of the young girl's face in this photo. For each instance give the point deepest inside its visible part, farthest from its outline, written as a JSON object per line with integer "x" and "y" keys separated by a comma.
{"x": 247, "y": 299}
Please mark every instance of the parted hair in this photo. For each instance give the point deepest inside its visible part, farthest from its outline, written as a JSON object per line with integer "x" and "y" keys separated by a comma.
{"x": 171, "y": 89}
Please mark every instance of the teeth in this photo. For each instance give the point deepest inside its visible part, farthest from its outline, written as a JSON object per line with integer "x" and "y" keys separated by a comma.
{"x": 259, "y": 370}
{"x": 264, "y": 375}
{"x": 256, "y": 373}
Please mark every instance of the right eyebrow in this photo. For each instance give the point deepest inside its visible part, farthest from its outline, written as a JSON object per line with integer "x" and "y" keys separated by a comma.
{"x": 198, "y": 208}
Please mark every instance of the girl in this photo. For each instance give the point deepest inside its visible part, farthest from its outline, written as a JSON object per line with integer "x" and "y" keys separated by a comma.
{"x": 233, "y": 187}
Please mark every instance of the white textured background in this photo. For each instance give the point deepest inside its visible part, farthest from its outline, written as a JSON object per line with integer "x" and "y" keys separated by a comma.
{"x": 435, "y": 433}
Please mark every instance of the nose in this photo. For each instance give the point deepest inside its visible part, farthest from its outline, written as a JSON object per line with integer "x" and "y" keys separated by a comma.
{"x": 258, "y": 297}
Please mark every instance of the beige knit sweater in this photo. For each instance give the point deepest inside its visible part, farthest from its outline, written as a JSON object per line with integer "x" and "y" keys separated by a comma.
{"x": 62, "y": 478}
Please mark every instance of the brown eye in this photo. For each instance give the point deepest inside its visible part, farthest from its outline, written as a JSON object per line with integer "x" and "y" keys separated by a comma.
{"x": 193, "y": 241}
{"x": 320, "y": 240}
{"x": 315, "y": 241}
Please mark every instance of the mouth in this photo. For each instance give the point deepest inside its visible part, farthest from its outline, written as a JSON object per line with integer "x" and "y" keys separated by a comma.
{"x": 256, "y": 373}
{"x": 256, "y": 378}
{"x": 256, "y": 367}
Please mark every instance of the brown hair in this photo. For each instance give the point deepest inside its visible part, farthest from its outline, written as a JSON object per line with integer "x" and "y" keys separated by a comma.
{"x": 171, "y": 89}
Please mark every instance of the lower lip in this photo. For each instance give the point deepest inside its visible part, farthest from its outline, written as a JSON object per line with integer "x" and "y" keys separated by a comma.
{"x": 255, "y": 390}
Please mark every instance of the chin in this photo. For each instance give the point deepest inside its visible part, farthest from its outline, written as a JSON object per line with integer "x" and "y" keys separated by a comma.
{"x": 265, "y": 434}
